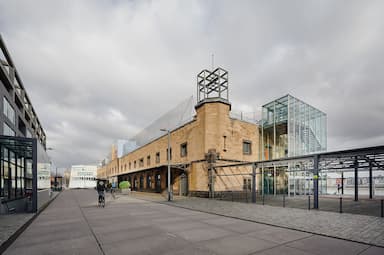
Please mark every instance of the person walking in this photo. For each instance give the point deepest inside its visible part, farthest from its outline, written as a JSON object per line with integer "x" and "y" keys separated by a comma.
{"x": 113, "y": 189}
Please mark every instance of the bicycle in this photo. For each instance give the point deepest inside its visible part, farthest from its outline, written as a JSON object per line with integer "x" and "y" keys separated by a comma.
{"x": 101, "y": 200}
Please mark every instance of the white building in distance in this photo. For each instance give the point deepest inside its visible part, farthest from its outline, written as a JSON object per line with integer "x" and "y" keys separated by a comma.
{"x": 44, "y": 175}
{"x": 83, "y": 176}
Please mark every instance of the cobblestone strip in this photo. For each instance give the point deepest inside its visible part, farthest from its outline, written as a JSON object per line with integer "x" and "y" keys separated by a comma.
{"x": 359, "y": 228}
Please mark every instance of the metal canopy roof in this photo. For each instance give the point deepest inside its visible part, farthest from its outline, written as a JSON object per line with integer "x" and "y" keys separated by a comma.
{"x": 21, "y": 146}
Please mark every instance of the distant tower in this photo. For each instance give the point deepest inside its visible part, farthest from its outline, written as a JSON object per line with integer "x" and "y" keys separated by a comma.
{"x": 114, "y": 152}
{"x": 212, "y": 86}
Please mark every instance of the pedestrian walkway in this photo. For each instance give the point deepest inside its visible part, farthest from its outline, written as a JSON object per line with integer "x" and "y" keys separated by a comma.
{"x": 360, "y": 228}
{"x": 11, "y": 224}
{"x": 73, "y": 224}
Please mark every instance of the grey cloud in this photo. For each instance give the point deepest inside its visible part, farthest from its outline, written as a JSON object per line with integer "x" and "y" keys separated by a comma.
{"x": 82, "y": 61}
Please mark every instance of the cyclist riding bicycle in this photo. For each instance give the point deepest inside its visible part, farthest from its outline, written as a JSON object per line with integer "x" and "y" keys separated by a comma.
{"x": 100, "y": 190}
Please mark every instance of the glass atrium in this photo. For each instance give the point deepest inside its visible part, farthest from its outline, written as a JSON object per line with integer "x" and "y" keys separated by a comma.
{"x": 291, "y": 127}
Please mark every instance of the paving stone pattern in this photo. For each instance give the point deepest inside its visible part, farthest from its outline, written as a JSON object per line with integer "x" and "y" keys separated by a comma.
{"x": 361, "y": 228}
{"x": 73, "y": 224}
{"x": 10, "y": 223}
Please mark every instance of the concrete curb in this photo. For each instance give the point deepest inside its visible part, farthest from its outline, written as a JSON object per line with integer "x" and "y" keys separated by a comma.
{"x": 4, "y": 246}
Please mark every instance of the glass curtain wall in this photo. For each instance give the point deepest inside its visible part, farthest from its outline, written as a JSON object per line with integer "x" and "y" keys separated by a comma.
{"x": 307, "y": 128}
{"x": 292, "y": 128}
{"x": 275, "y": 124}
{"x": 13, "y": 176}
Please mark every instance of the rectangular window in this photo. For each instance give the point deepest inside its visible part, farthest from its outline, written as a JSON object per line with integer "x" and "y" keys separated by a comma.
{"x": 247, "y": 147}
{"x": 129, "y": 165}
{"x": 247, "y": 184}
{"x": 183, "y": 150}
{"x": 9, "y": 111}
{"x": 148, "y": 160}
{"x": 6, "y": 178}
{"x": 157, "y": 157}
{"x": 134, "y": 164}
{"x": 170, "y": 153}
{"x": 7, "y": 130}
{"x": 141, "y": 162}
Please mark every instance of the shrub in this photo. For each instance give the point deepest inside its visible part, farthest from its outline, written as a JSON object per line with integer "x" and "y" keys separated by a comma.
{"x": 124, "y": 185}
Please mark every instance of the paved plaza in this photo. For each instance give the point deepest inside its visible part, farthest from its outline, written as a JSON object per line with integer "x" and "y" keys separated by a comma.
{"x": 73, "y": 224}
{"x": 330, "y": 203}
{"x": 360, "y": 228}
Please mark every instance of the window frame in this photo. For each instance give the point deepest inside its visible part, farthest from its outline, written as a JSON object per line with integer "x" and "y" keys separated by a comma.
{"x": 6, "y": 111}
{"x": 157, "y": 160}
{"x": 183, "y": 153}
{"x": 249, "y": 143}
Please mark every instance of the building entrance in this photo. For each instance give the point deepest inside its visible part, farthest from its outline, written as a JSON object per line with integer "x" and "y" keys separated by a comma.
{"x": 158, "y": 182}
{"x": 268, "y": 184}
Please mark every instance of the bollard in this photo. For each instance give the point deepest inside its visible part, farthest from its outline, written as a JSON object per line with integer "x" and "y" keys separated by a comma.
{"x": 283, "y": 200}
{"x": 341, "y": 205}
{"x": 263, "y": 199}
{"x": 309, "y": 202}
{"x": 382, "y": 207}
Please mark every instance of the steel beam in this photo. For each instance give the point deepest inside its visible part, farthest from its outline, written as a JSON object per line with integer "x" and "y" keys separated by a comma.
{"x": 34, "y": 175}
{"x": 316, "y": 182}
{"x": 253, "y": 183}
{"x": 370, "y": 180}
{"x": 356, "y": 179}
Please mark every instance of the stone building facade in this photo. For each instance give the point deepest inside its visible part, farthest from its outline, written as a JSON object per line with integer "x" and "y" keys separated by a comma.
{"x": 204, "y": 149}
{"x": 211, "y": 132}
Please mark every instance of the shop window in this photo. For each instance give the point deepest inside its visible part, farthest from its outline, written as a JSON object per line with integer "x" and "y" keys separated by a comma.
{"x": 149, "y": 182}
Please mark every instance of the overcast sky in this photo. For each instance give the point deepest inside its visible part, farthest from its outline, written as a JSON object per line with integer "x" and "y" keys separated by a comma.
{"x": 97, "y": 71}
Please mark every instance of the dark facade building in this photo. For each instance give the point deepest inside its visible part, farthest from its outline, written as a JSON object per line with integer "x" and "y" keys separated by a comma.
{"x": 19, "y": 117}
{"x": 22, "y": 140}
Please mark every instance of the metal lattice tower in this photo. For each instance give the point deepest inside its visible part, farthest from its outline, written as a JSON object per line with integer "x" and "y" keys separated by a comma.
{"x": 212, "y": 85}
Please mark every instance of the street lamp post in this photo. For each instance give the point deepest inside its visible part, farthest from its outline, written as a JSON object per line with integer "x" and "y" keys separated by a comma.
{"x": 169, "y": 162}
